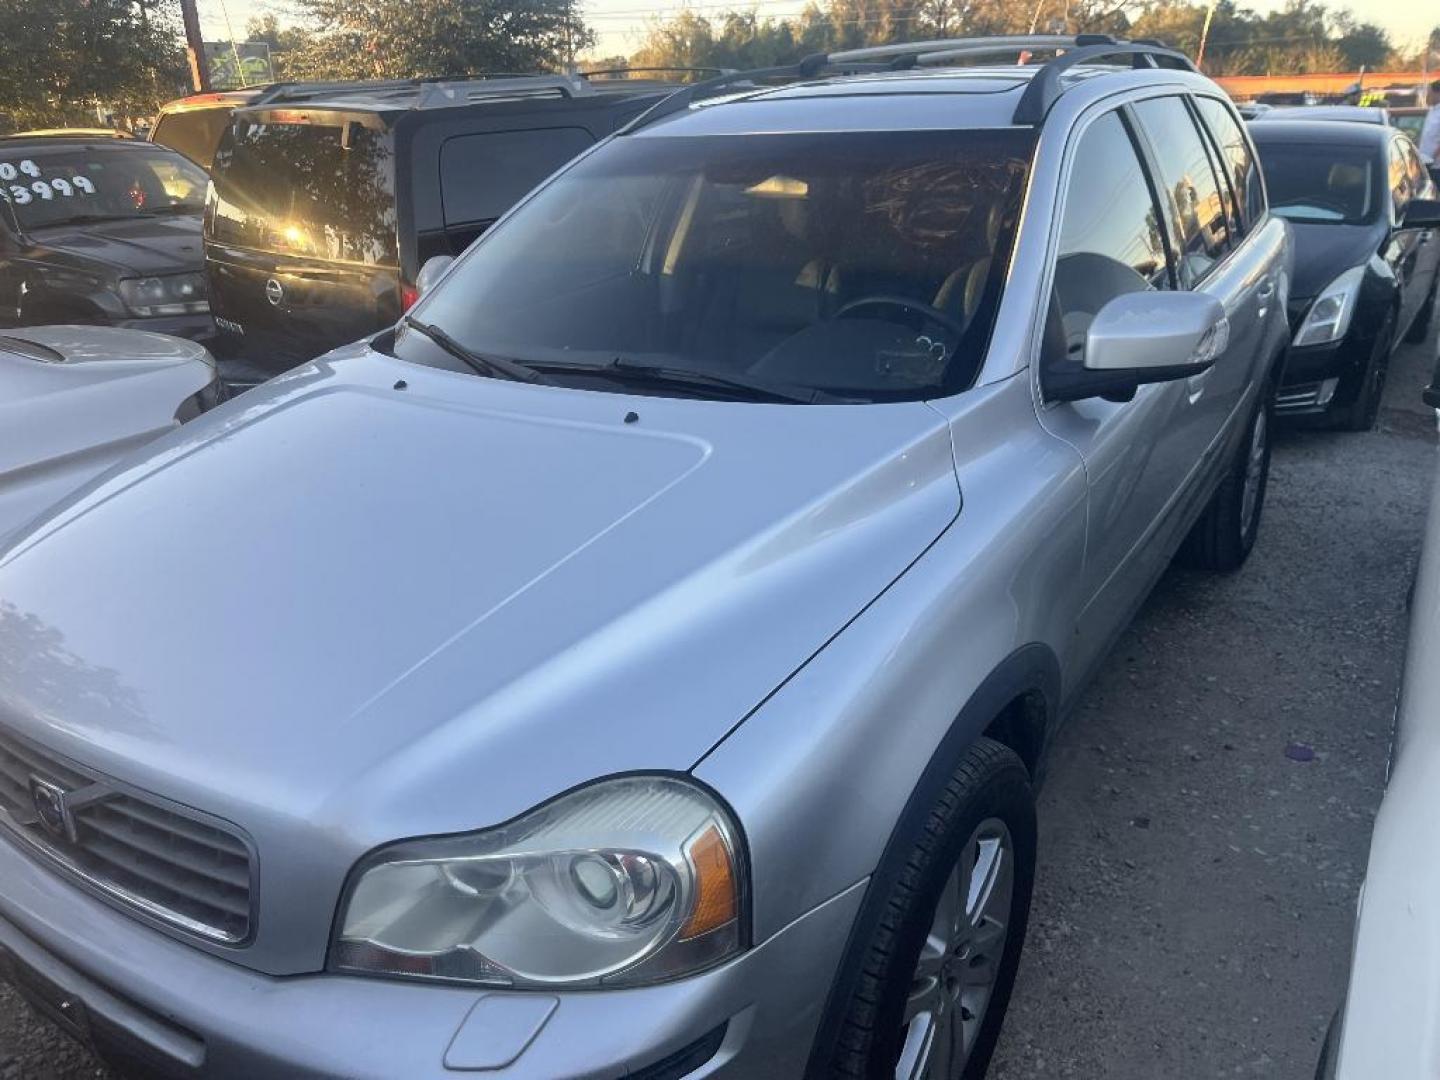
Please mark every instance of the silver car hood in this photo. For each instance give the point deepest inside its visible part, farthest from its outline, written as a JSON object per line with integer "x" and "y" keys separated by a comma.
{"x": 389, "y": 611}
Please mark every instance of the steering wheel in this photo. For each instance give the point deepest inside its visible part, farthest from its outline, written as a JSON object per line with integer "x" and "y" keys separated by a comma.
{"x": 904, "y": 303}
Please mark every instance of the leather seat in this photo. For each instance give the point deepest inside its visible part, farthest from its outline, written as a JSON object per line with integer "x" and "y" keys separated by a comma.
{"x": 960, "y": 293}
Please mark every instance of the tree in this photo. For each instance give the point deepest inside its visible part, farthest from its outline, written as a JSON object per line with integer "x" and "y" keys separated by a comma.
{"x": 284, "y": 42}
{"x": 377, "y": 39}
{"x": 65, "y": 60}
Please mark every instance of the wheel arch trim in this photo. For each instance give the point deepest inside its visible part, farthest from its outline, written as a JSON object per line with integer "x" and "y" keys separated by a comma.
{"x": 1030, "y": 672}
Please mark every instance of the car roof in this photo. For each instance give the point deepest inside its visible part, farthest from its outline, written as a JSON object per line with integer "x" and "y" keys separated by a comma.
{"x": 1338, "y": 132}
{"x": 127, "y": 144}
{"x": 953, "y": 98}
{"x": 214, "y": 99}
{"x": 72, "y": 133}
{"x": 1355, "y": 114}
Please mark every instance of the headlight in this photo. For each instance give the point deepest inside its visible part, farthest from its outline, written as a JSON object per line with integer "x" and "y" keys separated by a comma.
{"x": 628, "y": 881}
{"x": 1329, "y": 316}
{"x": 174, "y": 294}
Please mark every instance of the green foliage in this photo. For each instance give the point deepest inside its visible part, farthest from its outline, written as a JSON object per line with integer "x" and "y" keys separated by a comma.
{"x": 377, "y": 39}
{"x": 60, "y": 59}
{"x": 1302, "y": 36}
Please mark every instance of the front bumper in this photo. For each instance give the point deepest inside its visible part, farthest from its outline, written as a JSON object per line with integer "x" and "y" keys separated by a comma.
{"x": 1318, "y": 376}
{"x": 164, "y": 1009}
{"x": 199, "y": 328}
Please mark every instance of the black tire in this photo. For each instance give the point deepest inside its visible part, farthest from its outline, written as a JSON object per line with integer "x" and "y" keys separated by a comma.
{"x": 1362, "y": 413}
{"x": 990, "y": 784}
{"x": 1421, "y": 326}
{"x": 1223, "y": 537}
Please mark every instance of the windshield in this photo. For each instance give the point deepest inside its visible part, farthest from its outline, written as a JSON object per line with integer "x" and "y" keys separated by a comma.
{"x": 1319, "y": 183}
{"x": 319, "y": 190}
{"x": 62, "y": 184}
{"x": 866, "y": 265}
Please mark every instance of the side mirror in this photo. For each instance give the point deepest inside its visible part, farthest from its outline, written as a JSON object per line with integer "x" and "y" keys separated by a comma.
{"x": 431, "y": 272}
{"x": 1422, "y": 214}
{"x": 1144, "y": 337}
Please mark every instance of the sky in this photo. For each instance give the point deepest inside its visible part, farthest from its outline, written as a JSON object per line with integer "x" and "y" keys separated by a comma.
{"x": 620, "y": 24}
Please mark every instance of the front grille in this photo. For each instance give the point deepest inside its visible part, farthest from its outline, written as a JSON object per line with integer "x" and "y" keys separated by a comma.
{"x": 170, "y": 865}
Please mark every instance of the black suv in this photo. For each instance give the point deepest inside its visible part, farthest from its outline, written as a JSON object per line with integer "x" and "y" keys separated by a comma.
{"x": 328, "y": 198}
{"x": 102, "y": 230}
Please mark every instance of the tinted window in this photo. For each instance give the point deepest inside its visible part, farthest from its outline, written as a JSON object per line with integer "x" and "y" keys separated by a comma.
{"x": 306, "y": 189}
{"x": 1320, "y": 182}
{"x": 1195, "y": 201}
{"x": 194, "y": 133}
{"x": 1239, "y": 162}
{"x": 482, "y": 176}
{"x": 1111, "y": 239}
{"x": 865, "y": 265}
{"x": 52, "y": 185}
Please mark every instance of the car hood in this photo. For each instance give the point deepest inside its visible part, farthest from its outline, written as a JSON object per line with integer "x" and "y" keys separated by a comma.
{"x": 159, "y": 245}
{"x": 1324, "y": 252}
{"x": 387, "y": 600}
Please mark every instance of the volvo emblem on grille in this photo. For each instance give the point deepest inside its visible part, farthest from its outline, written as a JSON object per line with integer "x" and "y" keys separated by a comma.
{"x": 52, "y": 808}
{"x": 274, "y": 292}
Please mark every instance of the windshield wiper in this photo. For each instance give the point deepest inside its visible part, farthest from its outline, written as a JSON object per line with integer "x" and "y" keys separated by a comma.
{"x": 623, "y": 370}
{"x": 498, "y": 367}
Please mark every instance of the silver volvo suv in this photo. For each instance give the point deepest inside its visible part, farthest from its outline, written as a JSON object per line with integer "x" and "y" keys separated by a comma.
{"x": 640, "y": 661}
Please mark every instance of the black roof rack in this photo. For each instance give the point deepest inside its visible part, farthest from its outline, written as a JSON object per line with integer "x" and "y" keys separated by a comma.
{"x": 1042, "y": 92}
{"x": 609, "y": 74}
{"x": 433, "y": 90}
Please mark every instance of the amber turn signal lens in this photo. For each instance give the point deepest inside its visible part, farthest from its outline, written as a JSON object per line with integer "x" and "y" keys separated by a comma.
{"x": 717, "y": 897}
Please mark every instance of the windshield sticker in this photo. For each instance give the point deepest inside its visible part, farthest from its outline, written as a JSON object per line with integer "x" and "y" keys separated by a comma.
{"x": 13, "y": 172}
{"x": 21, "y": 194}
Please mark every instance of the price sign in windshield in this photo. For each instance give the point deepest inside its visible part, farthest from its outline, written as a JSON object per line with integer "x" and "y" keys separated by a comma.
{"x": 24, "y": 183}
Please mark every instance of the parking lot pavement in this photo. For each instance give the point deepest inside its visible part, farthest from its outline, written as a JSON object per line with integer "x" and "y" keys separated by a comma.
{"x": 1207, "y": 813}
{"x": 1198, "y": 866}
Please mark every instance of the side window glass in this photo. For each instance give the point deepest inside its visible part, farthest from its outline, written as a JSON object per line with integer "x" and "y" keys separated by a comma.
{"x": 1111, "y": 238}
{"x": 1200, "y": 226}
{"x": 1414, "y": 167}
{"x": 1239, "y": 162}
{"x": 1399, "y": 179}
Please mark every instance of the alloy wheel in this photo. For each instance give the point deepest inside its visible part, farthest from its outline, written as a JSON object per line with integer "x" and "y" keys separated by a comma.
{"x": 1255, "y": 462}
{"x": 960, "y": 960}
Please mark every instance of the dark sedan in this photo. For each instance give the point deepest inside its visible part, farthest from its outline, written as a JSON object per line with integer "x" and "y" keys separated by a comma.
{"x": 1367, "y": 262}
{"x": 101, "y": 230}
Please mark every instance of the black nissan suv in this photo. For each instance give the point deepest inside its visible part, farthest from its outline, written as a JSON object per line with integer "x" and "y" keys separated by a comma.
{"x": 328, "y": 198}
{"x": 95, "y": 229}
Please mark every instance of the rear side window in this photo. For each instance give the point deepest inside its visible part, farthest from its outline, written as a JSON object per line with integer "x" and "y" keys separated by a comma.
{"x": 1243, "y": 170}
{"x": 1200, "y": 223}
{"x": 482, "y": 176}
{"x": 1111, "y": 236}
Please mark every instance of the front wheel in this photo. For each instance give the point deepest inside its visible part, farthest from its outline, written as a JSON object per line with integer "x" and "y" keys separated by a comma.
{"x": 936, "y": 959}
{"x": 1364, "y": 411}
{"x": 1225, "y": 534}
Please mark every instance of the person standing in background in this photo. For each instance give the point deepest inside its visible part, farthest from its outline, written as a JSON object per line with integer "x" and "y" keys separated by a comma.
{"x": 1430, "y": 133}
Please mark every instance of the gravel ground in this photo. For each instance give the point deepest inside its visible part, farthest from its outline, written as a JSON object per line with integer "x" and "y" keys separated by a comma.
{"x": 1197, "y": 882}
{"x": 1197, "y": 885}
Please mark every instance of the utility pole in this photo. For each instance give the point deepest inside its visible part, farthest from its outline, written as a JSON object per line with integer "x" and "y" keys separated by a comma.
{"x": 195, "y": 46}
{"x": 1205, "y": 34}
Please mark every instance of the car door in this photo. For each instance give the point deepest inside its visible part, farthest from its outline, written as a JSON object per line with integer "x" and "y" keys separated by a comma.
{"x": 1404, "y": 247}
{"x": 1427, "y": 247}
{"x": 1214, "y": 256}
{"x": 1112, "y": 239}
